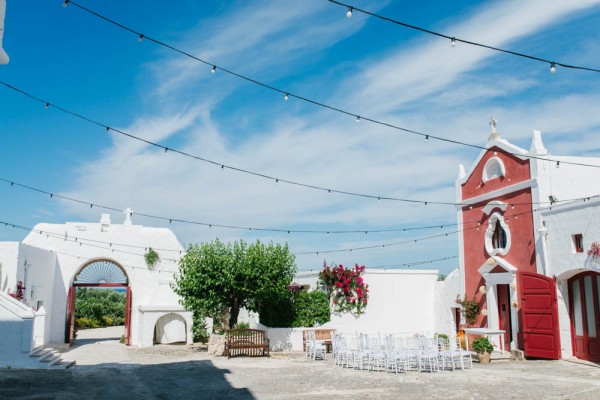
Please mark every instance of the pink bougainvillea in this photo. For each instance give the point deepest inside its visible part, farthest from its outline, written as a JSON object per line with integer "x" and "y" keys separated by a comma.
{"x": 347, "y": 289}
{"x": 594, "y": 251}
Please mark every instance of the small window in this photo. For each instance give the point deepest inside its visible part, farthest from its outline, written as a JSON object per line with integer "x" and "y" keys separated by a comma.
{"x": 499, "y": 237}
{"x": 578, "y": 243}
{"x": 493, "y": 168}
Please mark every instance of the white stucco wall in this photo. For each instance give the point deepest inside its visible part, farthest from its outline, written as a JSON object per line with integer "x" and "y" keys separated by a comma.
{"x": 51, "y": 283}
{"x": 446, "y": 292}
{"x": 400, "y": 301}
{"x": 16, "y": 333}
{"x": 562, "y": 260}
{"x": 9, "y": 257}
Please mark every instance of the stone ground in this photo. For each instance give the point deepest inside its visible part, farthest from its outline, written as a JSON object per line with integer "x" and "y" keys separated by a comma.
{"x": 106, "y": 369}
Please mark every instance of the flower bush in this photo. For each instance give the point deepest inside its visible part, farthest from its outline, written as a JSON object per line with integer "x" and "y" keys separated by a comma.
{"x": 594, "y": 251}
{"x": 347, "y": 289}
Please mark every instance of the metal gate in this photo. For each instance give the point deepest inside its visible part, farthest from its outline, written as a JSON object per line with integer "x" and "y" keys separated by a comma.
{"x": 539, "y": 316}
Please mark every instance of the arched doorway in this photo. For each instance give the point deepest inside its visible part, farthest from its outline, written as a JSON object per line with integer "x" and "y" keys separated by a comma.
{"x": 98, "y": 273}
{"x": 584, "y": 311}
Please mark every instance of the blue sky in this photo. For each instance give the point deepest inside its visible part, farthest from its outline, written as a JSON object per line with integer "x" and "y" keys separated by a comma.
{"x": 310, "y": 48}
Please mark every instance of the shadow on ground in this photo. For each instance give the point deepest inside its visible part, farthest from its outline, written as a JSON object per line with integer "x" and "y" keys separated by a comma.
{"x": 190, "y": 379}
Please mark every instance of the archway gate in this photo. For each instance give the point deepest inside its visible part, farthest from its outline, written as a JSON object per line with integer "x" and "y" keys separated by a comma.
{"x": 100, "y": 273}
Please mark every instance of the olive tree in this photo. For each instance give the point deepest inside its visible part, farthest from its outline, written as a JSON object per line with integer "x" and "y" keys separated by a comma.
{"x": 216, "y": 275}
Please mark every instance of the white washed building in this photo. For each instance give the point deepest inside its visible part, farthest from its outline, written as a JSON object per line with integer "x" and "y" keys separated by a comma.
{"x": 55, "y": 259}
{"x": 528, "y": 220}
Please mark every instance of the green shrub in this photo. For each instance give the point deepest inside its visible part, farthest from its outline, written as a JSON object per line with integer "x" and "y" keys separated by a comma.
{"x": 482, "y": 345}
{"x": 242, "y": 325}
{"x": 86, "y": 323}
{"x": 199, "y": 332}
{"x": 300, "y": 309}
{"x": 105, "y": 306}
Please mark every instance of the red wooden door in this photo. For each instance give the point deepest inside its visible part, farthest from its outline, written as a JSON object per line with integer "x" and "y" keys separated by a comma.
{"x": 539, "y": 316}
{"x": 584, "y": 296}
{"x": 504, "y": 313}
{"x": 70, "y": 331}
{"x": 128, "y": 317}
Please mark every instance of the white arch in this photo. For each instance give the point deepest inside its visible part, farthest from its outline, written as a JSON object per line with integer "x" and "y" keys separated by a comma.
{"x": 489, "y": 233}
{"x": 493, "y": 168}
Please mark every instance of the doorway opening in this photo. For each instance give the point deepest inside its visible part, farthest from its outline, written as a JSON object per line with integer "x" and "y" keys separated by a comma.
{"x": 99, "y": 296}
{"x": 584, "y": 310}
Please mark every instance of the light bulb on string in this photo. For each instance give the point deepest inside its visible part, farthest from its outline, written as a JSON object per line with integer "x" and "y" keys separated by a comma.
{"x": 453, "y": 42}
{"x": 65, "y": 3}
{"x": 552, "y": 67}
{"x": 558, "y": 164}
{"x": 140, "y": 38}
{"x": 427, "y": 138}
{"x": 47, "y": 106}
{"x": 358, "y": 118}
{"x": 213, "y": 69}
{"x": 349, "y": 12}
{"x": 286, "y": 97}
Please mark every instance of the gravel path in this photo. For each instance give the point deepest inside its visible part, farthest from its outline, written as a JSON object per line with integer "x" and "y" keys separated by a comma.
{"x": 106, "y": 369}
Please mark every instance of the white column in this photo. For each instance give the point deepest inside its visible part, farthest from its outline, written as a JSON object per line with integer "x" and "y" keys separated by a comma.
{"x": 514, "y": 316}
{"x": 492, "y": 309}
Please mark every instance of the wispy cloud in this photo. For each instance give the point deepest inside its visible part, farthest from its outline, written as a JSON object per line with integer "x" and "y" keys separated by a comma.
{"x": 322, "y": 148}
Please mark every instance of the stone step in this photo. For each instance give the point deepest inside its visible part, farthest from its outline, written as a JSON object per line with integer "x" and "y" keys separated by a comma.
{"x": 50, "y": 358}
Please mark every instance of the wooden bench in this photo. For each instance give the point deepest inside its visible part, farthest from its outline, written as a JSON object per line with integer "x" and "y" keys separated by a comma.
{"x": 250, "y": 342}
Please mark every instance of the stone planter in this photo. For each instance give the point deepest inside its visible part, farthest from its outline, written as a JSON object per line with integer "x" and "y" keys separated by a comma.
{"x": 484, "y": 358}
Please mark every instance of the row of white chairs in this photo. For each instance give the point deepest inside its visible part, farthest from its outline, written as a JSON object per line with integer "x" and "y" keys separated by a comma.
{"x": 391, "y": 353}
{"x": 315, "y": 349}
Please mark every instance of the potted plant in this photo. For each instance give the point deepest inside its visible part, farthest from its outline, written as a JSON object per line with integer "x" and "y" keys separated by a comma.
{"x": 483, "y": 348}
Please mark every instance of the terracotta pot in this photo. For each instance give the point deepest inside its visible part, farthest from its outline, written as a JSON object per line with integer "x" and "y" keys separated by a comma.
{"x": 462, "y": 339}
{"x": 484, "y": 358}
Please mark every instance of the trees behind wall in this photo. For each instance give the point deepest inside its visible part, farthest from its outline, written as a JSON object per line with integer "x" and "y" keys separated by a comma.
{"x": 219, "y": 277}
{"x": 95, "y": 308}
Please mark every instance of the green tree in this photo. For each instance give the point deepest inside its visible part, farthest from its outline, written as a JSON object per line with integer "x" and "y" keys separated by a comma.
{"x": 216, "y": 275}
{"x": 100, "y": 306}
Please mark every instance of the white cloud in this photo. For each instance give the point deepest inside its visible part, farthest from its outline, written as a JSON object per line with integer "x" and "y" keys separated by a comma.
{"x": 321, "y": 148}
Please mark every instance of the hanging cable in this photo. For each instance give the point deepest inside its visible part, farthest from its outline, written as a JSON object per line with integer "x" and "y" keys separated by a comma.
{"x": 306, "y": 99}
{"x": 78, "y": 240}
{"x": 455, "y": 39}
{"x": 262, "y": 229}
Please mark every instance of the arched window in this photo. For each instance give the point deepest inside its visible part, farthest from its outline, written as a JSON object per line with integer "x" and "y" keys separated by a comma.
{"x": 494, "y": 168}
{"x": 499, "y": 237}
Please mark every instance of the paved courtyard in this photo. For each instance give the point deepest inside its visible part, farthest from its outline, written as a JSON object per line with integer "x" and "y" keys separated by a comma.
{"x": 106, "y": 369}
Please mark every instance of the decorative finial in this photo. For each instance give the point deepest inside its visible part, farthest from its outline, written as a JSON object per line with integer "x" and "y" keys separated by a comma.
{"x": 494, "y": 135}
{"x": 128, "y": 212}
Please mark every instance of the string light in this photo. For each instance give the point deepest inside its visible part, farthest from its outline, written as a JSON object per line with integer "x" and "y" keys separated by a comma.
{"x": 65, "y": 3}
{"x": 286, "y": 97}
{"x": 427, "y": 138}
{"x": 382, "y": 123}
{"x": 349, "y": 12}
{"x": 213, "y": 69}
{"x": 417, "y": 28}
{"x": 453, "y": 42}
{"x": 358, "y": 118}
{"x": 111, "y": 208}
{"x": 140, "y": 38}
{"x": 552, "y": 67}
{"x": 47, "y": 106}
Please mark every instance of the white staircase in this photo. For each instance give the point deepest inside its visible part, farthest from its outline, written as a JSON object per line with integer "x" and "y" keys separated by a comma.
{"x": 49, "y": 358}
